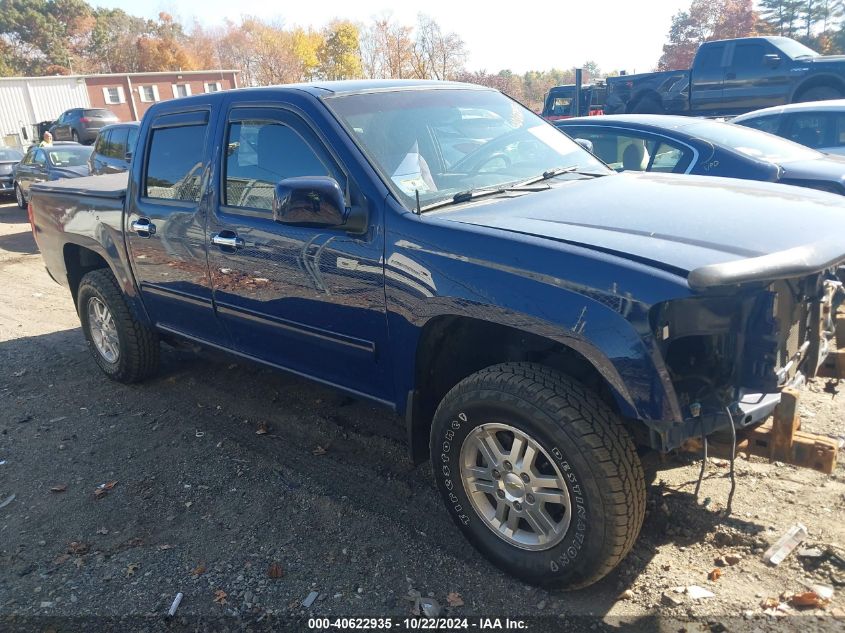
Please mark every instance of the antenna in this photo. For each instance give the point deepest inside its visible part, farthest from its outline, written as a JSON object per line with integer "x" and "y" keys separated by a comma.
{"x": 417, "y": 193}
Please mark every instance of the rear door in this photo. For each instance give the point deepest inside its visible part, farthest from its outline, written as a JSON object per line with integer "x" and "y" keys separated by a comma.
{"x": 60, "y": 129}
{"x": 33, "y": 171}
{"x": 305, "y": 298}
{"x": 751, "y": 82}
{"x": 165, "y": 225}
{"x": 707, "y": 79}
{"x": 115, "y": 160}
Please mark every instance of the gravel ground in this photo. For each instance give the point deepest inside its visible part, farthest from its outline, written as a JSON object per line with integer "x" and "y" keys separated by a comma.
{"x": 247, "y": 524}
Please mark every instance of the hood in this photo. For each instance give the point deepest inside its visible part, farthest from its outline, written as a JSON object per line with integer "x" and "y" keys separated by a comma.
{"x": 70, "y": 172}
{"x": 7, "y": 168}
{"x": 823, "y": 59}
{"x": 677, "y": 223}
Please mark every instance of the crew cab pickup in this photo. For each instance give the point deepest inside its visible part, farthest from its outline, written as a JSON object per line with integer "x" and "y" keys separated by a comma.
{"x": 535, "y": 317}
{"x": 731, "y": 77}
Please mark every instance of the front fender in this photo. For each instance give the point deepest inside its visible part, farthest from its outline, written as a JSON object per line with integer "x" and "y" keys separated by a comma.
{"x": 433, "y": 269}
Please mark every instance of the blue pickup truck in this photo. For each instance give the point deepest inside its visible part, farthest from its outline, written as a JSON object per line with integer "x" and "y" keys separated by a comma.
{"x": 730, "y": 77}
{"x": 535, "y": 318}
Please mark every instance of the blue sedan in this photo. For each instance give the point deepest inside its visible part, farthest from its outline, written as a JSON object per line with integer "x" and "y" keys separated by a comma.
{"x": 684, "y": 145}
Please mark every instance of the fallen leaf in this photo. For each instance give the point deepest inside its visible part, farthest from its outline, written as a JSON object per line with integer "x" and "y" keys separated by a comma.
{"x": 263, "y": 429}
{"x": 715, "y": 574}
{"x": 275, "y": 570}
{"x": 770, "y": 603}
{"x": 61, "y": 559}
{"x": 108, "y": 485}
{"x": 163, "y": 547}
{"x": 454, "y": 599}
{"x": 319, "y": 450}
{"x": 131, "y": 568}
{"x": 220, "y": 596}
{"x": 59, "y": 488}
{"x": 77, "y": 548}
{"x": 733, "y": 559}
{"x": 807, "y": 599}
{"x": 102, "y": 530}
{"x": 626, "y": 595}
{"x": 199, "y": 570}
{"x": 99, "y": 493}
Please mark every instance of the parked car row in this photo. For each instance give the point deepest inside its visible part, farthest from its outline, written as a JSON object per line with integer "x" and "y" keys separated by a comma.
{"x": 110, "y": 153}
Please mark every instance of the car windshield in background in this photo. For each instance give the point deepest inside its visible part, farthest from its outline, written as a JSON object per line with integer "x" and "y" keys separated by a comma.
{"x": 437, "y": 143}
{"x": 7, "y": 154}
{"x": 750, "y": 142}
{"x": 69, "y": 156}
{"x": 795, "y": 50}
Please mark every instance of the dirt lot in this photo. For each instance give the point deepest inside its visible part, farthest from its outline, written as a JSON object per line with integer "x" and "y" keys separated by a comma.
{"x": 204, "y": 505}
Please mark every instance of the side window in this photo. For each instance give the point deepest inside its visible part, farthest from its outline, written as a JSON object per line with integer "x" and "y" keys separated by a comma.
{"x": 117, "y": 143}
{"x": 101, "y": 147}
{"x": 710, "y": 58}
{"x": 132, "y": 139}
{"x": 769, "y": 124}
{"x": 748, "y": 55}
{"x": 175, "y": 163}
{"x": 670, "y": 158}
{"x": 259, "y": 155}
{"x": 27, "y": 160}
{"x": 813, "y": 129}
{"x": 40, "y": 158}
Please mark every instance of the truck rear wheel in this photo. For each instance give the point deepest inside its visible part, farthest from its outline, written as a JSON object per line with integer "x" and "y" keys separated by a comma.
{"x": 126, "y": 349}
{"x": 539, "y": 474}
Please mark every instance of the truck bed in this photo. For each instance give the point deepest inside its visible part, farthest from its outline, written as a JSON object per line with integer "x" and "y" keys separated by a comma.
{"x": 105, "y": 186}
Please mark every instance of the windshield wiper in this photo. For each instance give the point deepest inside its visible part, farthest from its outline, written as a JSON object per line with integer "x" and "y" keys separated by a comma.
{"x": 473, "y": 194}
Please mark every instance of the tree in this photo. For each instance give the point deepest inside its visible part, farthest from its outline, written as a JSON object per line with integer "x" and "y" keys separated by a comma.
{"x": 112, "y": 43}
{"x": 436, "y": 55}
{"x": 387, "y": 49}
{"x": 163, "y": 49}
{"x": 38, "y": 34}
{"x": 340, "y": 54}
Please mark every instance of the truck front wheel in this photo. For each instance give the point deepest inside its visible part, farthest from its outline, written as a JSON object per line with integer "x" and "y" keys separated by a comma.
{"x": 539, "y": 474}
{"x": 126, "y": 349}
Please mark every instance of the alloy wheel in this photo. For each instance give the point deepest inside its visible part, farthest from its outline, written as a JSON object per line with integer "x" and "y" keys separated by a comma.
{"x": 515, "y": 486}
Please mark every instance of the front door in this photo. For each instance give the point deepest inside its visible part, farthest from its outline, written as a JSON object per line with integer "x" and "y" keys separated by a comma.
{"x": 305, "y": 298}
{"x": 753, "y": 81}
{"x": 165, "y": 226}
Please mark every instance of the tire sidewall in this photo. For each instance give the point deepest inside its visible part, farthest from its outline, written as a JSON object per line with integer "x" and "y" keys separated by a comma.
{"x": 86, "y": 293}
{"x": 575, "y": 557}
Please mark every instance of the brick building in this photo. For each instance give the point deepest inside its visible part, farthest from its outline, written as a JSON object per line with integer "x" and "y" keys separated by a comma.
{"x": 129, "y": 95}
{"x": 27, "y": 101}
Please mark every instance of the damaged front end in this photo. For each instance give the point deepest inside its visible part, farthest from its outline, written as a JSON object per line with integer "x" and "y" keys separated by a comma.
{"x": 730, "y": 351}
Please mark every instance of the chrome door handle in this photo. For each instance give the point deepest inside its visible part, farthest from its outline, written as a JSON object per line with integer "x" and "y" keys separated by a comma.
{"x": 229, "y": 241}
{"x": 143, "y": 225}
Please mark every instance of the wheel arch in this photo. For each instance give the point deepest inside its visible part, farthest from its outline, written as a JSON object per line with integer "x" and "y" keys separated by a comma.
{"x": 818, "y": 81}
{"x": 639, "y": 97}
{"x": 442, "y": 361}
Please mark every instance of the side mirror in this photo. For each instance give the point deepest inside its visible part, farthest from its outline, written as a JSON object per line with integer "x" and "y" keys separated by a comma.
{"x": 315, "y": 201}
{"x": 772, "y": 60}
{"x": 127, "y": 157}
{"x": 586, "y": 144}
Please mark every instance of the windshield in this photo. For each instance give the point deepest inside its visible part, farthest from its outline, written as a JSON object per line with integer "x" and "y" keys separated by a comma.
{"x": 436, "y": 143}
{"x": 792, "y": 48}
{"x": 752, "y": 143}
{"x": 10, "y": 154}
{"x": 69, "y": 156}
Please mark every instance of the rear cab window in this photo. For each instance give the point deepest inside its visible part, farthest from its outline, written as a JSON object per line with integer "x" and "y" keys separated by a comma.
{"x": 769, "y": 123}
{"x": 626, "y": 150}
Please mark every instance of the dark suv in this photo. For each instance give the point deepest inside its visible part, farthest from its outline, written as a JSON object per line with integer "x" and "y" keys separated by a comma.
{"x": 113, "y": 148}
{"x": 81, "y": 124}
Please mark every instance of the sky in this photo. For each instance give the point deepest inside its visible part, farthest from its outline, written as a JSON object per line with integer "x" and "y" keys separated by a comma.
{"x": 616, "y": 34}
